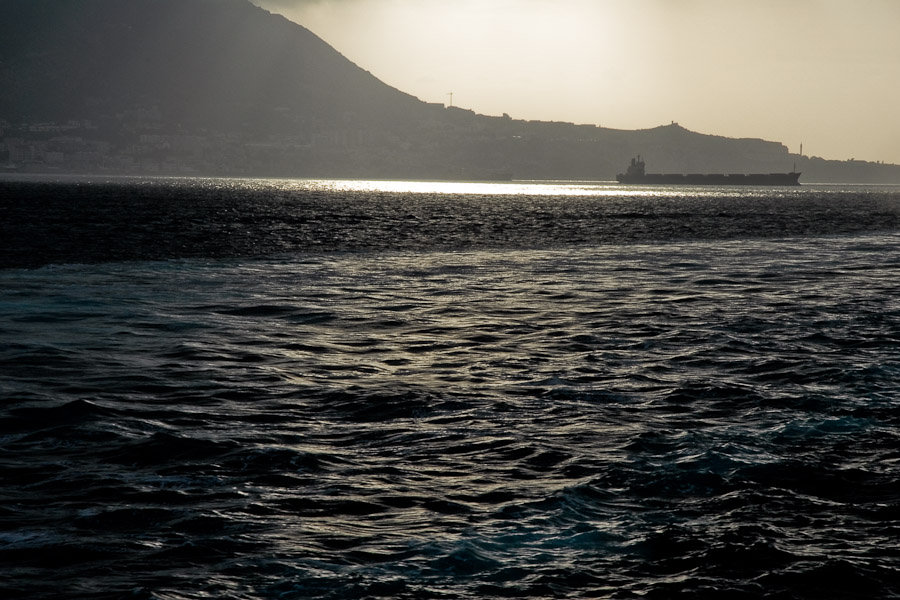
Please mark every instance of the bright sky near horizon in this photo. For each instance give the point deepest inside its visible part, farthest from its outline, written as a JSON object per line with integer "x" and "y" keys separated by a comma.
{"x": 824, "y": 73}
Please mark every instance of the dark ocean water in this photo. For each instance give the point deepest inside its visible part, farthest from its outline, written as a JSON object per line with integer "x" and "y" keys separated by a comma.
{"x": 244, "y": 389}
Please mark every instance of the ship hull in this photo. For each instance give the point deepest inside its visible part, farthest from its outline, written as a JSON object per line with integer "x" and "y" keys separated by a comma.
{"x": 711, "y": 179}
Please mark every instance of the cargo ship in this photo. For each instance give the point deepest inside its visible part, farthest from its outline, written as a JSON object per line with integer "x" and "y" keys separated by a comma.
{"x": 635, "y": 174}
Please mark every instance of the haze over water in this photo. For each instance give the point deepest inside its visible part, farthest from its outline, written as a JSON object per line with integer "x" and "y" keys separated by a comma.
{"x": 332, "y": 389}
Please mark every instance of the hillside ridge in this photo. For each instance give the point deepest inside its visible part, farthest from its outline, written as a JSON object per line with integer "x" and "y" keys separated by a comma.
{"x": 223, "y": 87}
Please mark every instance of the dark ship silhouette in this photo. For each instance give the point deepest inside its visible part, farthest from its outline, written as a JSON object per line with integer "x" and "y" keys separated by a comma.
{"x": 635, "y": 174}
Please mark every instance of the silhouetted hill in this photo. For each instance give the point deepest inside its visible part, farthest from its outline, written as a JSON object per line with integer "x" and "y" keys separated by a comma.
{"x": 222, "y": 63}
{"x": 224, "y": 87}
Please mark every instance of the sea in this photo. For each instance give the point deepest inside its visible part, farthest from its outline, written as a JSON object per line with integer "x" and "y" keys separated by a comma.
{"x": 328, "y": 389}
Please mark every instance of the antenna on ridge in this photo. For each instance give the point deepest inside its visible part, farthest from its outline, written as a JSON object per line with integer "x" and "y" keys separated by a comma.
{"x": 451, "y": 98}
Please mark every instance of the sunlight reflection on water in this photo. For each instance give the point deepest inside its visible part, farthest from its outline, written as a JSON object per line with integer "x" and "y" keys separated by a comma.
{"x": 523, "y": 188}
{"x": 564, "y": 188}
{"x": 480, "y": 188}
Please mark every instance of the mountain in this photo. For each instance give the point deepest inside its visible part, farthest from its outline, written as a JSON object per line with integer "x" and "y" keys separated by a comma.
{"x": 215, "y": 63}
{"x": 225, "y": 87}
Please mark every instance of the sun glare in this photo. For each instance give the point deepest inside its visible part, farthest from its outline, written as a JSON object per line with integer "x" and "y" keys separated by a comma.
{"x": 451, "y": 188}
{"x": 758, "y": 68}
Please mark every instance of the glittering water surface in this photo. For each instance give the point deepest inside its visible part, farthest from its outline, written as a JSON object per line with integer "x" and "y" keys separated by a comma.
{"x": 358, "y": 393}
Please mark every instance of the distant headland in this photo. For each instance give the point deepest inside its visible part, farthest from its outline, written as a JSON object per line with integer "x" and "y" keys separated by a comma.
{"x": 222, "y": 87}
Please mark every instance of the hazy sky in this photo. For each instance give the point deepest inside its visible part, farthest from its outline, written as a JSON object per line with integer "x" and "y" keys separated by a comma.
{"x": 825, "y": 73}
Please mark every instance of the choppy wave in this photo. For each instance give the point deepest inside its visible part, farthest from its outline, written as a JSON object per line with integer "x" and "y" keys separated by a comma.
{"x": 678, "y": 419}
{"x": 89, "y": 222}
